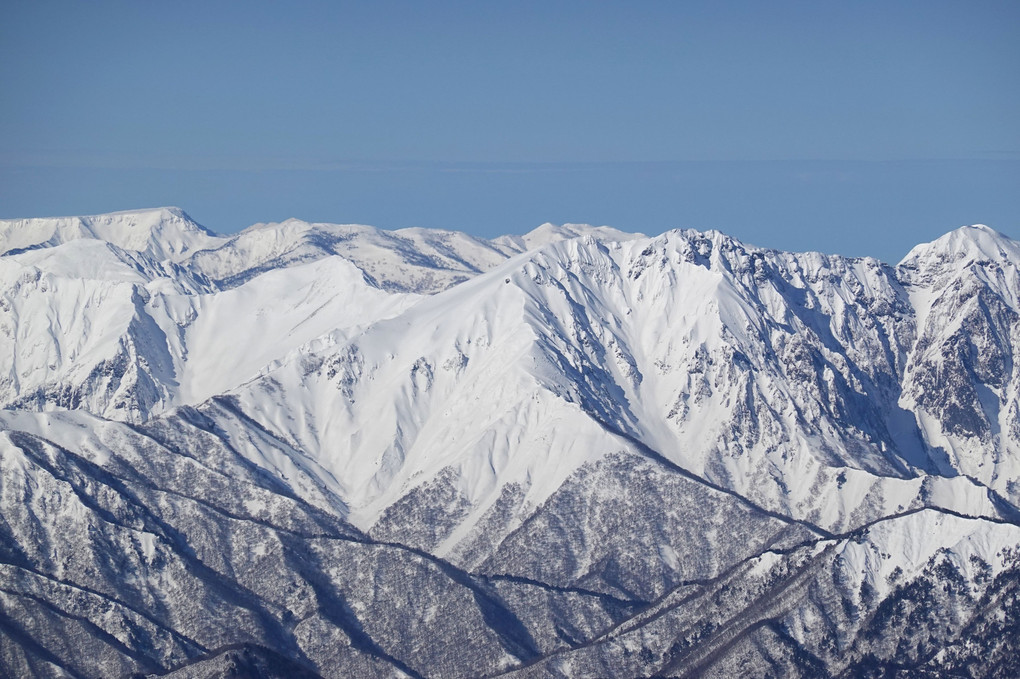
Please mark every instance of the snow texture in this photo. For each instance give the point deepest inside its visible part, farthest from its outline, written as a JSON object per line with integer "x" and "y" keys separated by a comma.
{"x": 320, "y": 449}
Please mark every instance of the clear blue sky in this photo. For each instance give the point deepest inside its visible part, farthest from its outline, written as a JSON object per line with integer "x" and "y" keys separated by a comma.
{"x": 851, "y": 127}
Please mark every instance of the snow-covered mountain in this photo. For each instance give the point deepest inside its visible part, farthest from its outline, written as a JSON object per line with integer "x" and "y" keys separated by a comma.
{"x": 340, "y": 450}
{"x": 161, "y": 234}
{"x": 129, "y": 314}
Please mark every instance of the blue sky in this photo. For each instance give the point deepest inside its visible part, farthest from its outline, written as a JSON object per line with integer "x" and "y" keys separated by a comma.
{"x": 851, "y": 127}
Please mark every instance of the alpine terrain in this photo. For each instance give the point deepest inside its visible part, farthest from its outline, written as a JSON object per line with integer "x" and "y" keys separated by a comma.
{"x": 332, "y": 450}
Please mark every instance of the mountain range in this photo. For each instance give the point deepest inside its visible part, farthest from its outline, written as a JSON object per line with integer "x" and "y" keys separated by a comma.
{"x": 335, "y": 450}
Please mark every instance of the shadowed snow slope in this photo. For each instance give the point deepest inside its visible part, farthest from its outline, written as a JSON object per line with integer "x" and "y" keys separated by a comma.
{"x": 131, "y": 313}
{"x": 340, "y": 450}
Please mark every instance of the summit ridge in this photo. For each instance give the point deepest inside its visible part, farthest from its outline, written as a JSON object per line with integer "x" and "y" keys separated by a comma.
{"x": 336, "y": 449}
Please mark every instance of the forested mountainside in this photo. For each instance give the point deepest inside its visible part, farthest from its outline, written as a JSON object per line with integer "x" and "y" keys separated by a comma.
{"x": 334, "y": 450}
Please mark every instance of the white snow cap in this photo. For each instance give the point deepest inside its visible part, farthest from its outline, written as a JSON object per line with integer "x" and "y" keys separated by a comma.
{"x": 165, "y": 233}
{"x": 966, "y": 244}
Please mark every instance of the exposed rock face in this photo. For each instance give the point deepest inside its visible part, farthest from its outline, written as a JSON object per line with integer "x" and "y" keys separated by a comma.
{"x": 332, "y": 450}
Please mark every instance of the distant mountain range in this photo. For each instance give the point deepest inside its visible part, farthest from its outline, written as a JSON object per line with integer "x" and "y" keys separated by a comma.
{"x": 334, "y": 450}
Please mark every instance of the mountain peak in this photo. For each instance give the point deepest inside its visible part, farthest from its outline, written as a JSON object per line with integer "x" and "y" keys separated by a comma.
{"x": 151, "y": 219}
{"x": 550, "y": 233}
{"x": 166, "y": 211}
{"x": 419, "y": 452}
{"x": 165, "y": 233}
{"x": 964, "y": 245}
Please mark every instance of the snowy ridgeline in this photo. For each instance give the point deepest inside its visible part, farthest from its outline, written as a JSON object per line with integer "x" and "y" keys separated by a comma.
{"x": 340, "y": 450}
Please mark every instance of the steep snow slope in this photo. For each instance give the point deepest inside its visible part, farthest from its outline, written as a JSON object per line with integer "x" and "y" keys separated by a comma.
{"x": 771, "y": 375}
{"x": 963, "y": 377}
{"x": 74, "y": 332}
{"x": 127, "y": 315}
{"x": 146, "y": 547}
{"x": 583, "y": 453}
{"x": 227, "y": 337}
{"x": 90, "y": 326}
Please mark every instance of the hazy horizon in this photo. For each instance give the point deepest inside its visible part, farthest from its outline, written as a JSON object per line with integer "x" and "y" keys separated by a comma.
{"x": 852, "y": 129}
